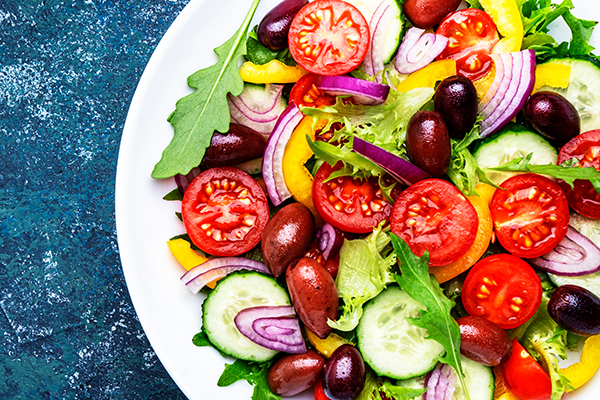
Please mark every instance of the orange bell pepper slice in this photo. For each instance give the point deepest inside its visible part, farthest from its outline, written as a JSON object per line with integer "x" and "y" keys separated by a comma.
{"x": 272, "y": 72}
{"x": 187, "y": 257}
{"x": 481, "y": 243}
{"x": 428, "y": 76}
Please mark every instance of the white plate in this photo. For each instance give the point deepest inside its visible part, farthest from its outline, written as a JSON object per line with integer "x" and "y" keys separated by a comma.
{"x": 169, "y": 313}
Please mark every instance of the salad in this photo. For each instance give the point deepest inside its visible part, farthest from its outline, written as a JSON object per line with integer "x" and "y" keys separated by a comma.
{"x": 384, "y": 174}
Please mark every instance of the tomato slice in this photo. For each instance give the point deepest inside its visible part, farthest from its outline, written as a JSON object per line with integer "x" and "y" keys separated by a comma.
{"x": 471, "y": 35}
{"x": 585, "y": 147}
{"x": 349, "y": 204}
{"x": 224, "y": 211}
{"x": 530, "y": 214}
{"x": 524, "y": 377}
{"x": 433, "y": 215}
{"x": 329, "y": 37}
{"x": 306, "y": 93}
{"x": 502, "y": 288}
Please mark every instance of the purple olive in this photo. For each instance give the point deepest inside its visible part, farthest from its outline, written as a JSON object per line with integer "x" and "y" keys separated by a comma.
{"x": 575, "y": 309}
{"x": 552, "y": 116}
{"x": 428, "y": 142}
{"x": 273, "y": 29}
{"x": 456, "y": 99}
{"x": 344, "y": 374}
{"x": 239, "y": 145}
{"x": 483, "y": 341}
{"x": 294, "y": 373}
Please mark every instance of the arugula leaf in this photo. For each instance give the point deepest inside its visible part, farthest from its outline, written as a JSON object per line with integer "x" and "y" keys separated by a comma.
{"x": 200, "y": 339}
{"x": 436, "y": 319}
{"x": 198, "y": 115}
{"x": 259, "y": 54}
{"x": 253, "y": 373}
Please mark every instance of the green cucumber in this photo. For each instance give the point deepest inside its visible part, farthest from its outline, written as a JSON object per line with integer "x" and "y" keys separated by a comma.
{"x": 513, "y": 141}
{"x": 233, "y": 293}
{"x": 391, "y": 345}
{"x": 583, "y": 90}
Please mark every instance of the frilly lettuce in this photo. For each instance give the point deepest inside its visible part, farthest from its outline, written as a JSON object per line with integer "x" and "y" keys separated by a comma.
{"x": 363, "y": 273}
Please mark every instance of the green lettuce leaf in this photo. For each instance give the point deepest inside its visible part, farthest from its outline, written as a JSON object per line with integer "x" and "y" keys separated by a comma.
{"x": 363, "y": 273}
{"x": 414, "y": 278}
{"x": 198, "y": 115}
{"x": 253, "y": 373}
{"x": 379, "y": 388}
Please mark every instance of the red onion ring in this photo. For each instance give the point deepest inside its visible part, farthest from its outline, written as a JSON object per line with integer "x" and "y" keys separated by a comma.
{"x": 329, "y": 241}
{"x": 362, "y": 92}
{"x": 418, "y": 49}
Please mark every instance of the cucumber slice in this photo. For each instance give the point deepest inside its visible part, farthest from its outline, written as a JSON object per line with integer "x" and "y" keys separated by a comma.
{"x": 233, "y": 293}
{"x": 583, "y": 90}
{"x": 392, "y": 37}
{"x": 391, "y": 345}
{"x": 513, "y": 141}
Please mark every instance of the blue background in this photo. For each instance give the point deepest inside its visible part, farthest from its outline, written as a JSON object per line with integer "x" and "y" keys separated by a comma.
{"x": 68, "y": 71}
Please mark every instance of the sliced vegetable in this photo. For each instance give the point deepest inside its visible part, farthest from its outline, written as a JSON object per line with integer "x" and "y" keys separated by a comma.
{"x": 273, "y": 327}
{"x": 379, "y": 22}
{"x": 513, "y": 82}
{"x": 258, "y": 107}
{"x": 582, "y": 371}
{"x": 362, "y": 92}
{"x": 428, "y": 76}
{"x": 524, "y": 377}
{"x": 440, "y": 383}
{"x": 418, "y": 49}
{"x": 552, "y": 74}
{"x": 329, "y": 241}
{"x": 507, "y": 17}
{"x": 402, "y": 170}
{"x": 307, "y": 93}
{"x": 273, "y": 159}
{"x": 198, "y": 277}
{"x": 326, "y": 346}
{"x": 272, "y": 72}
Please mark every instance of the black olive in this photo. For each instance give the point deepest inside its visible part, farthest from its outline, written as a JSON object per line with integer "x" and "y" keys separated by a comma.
{"x": 456, "y": 99}
{"x": 552, "y": 116}
{"x": 273, "y": 28}
{"x": 575, "y": 309}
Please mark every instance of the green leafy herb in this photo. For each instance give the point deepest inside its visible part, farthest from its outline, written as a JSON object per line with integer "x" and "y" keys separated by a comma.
{"x": 253, "y": 373}
{"x": 200, "y": 339}
{"x": 259, "y": 54}
{"x": 173, "y": 195}
{"x": 198, "y": 115}
{"x": 414, "y": 278}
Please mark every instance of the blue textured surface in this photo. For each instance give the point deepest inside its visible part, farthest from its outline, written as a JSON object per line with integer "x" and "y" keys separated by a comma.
{"x": 68, "y": 71}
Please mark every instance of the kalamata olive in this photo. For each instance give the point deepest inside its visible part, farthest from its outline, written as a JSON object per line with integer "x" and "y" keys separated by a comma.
{"x": 294, "y": 373}
{"x": 273, "y": 28}
{"x": 483, "y": 341}
{"x": 456, "y": 99}
{"x": 425, "y": 14}
{"x": 313, "y": 294}
{"x": 287, "y": 237}
{"x": 428, "y": 142}
{"x": 239, "y": 145}
{"x": 344, "y": 374}
{"x": 552, "y": 116}
{"x": 575, "y": 309}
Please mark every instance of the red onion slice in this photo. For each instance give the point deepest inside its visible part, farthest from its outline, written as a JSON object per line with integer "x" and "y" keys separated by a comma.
{"x": 273, "y": 327}
{"x": 402, "y": 170}
{"x": 512, "y": 84}
{"x": 440, "y": 383}
{"x": 215, "y": 268}
{"x": 379, "y": 23}
{"x": 182, "y": 181}
{"x": 272, "y": 166}
{"x": 362, "y": 92}
{"x": 418, "y": 49}
{"x": 257, "y": 107}
{"x": 329, "y": 241}
{"x": 575, "y": 255}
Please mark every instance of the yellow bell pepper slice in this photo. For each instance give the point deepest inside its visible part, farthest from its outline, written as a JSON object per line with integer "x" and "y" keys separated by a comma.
{"x": 187, "y": 257}
{"x": 272, "y": 72}
{"x": 428, "y": 76}
{"x": 550, "y": 74}
{"x": 326, "y": 346}
{"x": 507, "y": 17}
{"x": 297, "y": 152}
{"x": 479, "y": 246}
{"x": 582, "y": 371}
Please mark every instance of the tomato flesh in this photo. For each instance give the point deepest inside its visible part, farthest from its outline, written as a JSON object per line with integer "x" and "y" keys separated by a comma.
{"x": 433, "y": 215}
{"x": 329, "y": 37}
{"x": 502, "y": 288}
{"x": 583, "y": 197}
{"x": 306, "y": 93}
{"x": 524, "y": 377}
{"x": 530, "y": 214}
{"x": 224, "y": 211}
{"x": 471, "y": 35}
{"x": 349, "y": 204}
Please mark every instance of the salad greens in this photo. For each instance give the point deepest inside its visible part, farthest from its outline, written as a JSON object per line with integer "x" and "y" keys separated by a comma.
{"x": 198, "y": 115}
{"x": 252, "y": 372}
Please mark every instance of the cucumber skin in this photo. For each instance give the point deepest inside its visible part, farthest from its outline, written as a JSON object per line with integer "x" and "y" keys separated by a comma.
{"x": 263, "y": 354}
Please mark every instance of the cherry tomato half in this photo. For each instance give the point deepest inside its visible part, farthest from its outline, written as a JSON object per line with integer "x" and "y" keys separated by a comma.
{"x": 524, "y": 377}
{"x": 306, "y": 93}
{"x": 434, "y": 215}
{"x": 502, "y": 288}
{"x": 329, "y": 37}
{"x": 585, "y": 147}
{"x": 472, "y": 34}
{"x": 349, "y": 204}
{"x": 224, "y": 211}
{"x": 530, "y": 214}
